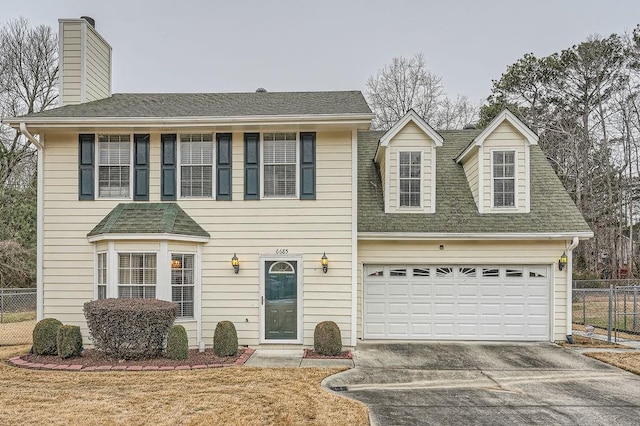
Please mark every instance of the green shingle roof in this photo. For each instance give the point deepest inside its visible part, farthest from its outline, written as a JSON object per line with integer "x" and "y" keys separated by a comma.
{"x": 552, "y": 210}
{"x": 148, "y": 218}
{"x": 175, "y": 105}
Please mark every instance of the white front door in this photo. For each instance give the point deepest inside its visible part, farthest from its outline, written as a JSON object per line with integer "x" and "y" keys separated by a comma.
{"x": 457, "y": 302}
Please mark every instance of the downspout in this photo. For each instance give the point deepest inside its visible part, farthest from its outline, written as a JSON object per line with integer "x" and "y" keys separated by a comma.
{"x": 569, "y": 281}
{"x": 39, "y": 222}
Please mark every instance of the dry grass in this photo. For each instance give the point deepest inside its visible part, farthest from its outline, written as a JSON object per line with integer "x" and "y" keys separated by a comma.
{"x": 8, "y": 317}
{"x": 229, "y": 396}
{"x": 586, "y": 342}
{"x": 629, "y": 361}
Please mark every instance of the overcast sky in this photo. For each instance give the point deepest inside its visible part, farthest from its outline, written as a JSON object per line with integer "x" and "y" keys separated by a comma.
{"x": 231, "y": 46}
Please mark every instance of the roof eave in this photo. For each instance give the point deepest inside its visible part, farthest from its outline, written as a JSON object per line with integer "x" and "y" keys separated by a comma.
{"x": 359, "y": 120}
{"x": 148, "y": 237}
{"x": 415, "y": 236}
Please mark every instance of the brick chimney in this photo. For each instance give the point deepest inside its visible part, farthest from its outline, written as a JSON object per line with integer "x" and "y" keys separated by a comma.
{"x": 85, "y": 62}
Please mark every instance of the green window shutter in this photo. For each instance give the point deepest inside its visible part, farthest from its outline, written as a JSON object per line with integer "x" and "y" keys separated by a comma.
{"x": 141, "y": 167}
{"x": 169, "y": 178}
{"x": 86, "y": 166}
{"x": 252, "y": 166}
{"x": 223, "y": 166}
{"x": 307, "y": 166}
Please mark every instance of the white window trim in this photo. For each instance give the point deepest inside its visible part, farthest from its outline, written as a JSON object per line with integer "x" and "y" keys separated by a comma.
{"x": 300, "y": 318}
{"x": 515, "y": 207}
{"x": 214, "y": 163}
{"x": 410, "y": 208}
{"x": 96, "y": 176}
{"x": 95, "y": 272}
{"x": 163, "y": 272}
{"x": 197, "y": 273}
{"x": 297, "y": 194}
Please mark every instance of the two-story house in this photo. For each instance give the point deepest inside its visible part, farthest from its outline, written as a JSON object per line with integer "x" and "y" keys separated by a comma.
{"x": 277, "y": 211}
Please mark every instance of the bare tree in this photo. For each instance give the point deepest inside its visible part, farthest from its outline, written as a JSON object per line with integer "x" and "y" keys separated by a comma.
{"x": 28, "y": 83}
{"x": 455, "y": 113}
{"x": 404, "y": 84}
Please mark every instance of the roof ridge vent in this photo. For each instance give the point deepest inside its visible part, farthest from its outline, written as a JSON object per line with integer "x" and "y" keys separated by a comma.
{"x": 469, "y": 126}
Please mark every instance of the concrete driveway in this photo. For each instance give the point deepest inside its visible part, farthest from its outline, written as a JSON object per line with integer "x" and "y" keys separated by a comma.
{"x": 489, "y": 384}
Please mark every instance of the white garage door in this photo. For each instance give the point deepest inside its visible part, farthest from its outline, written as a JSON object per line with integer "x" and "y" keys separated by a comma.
{"x": 456, "y": 302}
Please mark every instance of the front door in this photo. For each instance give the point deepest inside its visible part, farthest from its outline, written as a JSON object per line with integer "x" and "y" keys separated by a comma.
{"x": 281, "y": 300}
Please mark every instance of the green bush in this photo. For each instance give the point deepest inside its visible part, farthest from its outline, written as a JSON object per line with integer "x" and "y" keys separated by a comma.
{"x": 45, "y": 337}
{"x": 177, "y": 343}
{"x": 69, "y": 341}
{"x": 130, "y": 328}
{"x": 225, "y": 339}
{"x": 327, "y": 339}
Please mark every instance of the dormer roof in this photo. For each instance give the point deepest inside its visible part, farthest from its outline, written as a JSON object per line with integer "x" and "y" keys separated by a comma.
{"x": 506, "y": 115}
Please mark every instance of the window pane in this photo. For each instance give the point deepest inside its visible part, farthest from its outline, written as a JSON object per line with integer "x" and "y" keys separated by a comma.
{"x": 114, "y": 159}
{"x": 279, "y": 156}
{"x": 410, "y": 171}
{"x": 182, "y": 283}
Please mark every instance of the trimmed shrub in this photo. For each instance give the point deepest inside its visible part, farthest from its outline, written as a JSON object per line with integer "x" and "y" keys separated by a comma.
{"x": 45, "y": 337}
{"x": 225, "y": 339}
{"x": 130, "y": 328}
{"x": 69, "y": 340}
{"x": 327, "y": 339}
{"x": 177, "y": 343}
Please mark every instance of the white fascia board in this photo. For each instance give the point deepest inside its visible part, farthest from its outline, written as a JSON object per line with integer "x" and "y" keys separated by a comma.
{"x": 418, "y": 121}
{"x": 505, "y": 115}
{"x": 147, "y": 237}
{"x": 359, "y": 120}
{"x": 415, "y": 236}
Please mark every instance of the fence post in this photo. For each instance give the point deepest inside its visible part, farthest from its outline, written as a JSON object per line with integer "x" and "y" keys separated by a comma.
{"x": 624, "y": 310}
{"x": 610, "y": 322}
{"x": 1, "y": 304}
{"x": 635, "y": 309}
{"x": 584, "y": 308}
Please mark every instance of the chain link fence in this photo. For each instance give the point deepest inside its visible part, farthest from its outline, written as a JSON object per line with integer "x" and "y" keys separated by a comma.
{"x": 17, "y": 315}
{"x": 611, "y": 310}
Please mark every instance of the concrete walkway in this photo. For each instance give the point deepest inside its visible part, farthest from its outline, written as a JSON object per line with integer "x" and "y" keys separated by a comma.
{"x": 292, "y": 358}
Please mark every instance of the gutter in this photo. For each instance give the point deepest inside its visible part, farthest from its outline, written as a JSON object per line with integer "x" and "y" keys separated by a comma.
{"x": 569, "y": 280}
{"x": 39, "y": 221}
{"x": 425, "y": 236}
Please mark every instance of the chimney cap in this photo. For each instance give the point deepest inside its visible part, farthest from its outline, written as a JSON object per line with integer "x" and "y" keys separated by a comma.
{"x": 90, "y": 20}
{"x": 261, "y": 90}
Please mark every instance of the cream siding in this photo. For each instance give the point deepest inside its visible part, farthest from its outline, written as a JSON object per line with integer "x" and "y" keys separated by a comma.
{"x": 472, "y": 253}
{"x": 248, "y": 228}
{"x": 471, "y": 171}
{"x": 71, "y": 73}
{"x": 410, "y": 138}
{"x": 98, "y": 63}
{"x": 85, "y": 63}
{"x": 506, "y": 137}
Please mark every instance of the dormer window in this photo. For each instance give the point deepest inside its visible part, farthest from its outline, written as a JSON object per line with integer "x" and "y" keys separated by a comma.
{"x": 410, "y": 179}
{"x": 504, "y": 178}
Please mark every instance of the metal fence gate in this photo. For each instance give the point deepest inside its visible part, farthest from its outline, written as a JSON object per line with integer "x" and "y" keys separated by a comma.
{"x": 17, "y": 315}
{"x": 614, "y": 311}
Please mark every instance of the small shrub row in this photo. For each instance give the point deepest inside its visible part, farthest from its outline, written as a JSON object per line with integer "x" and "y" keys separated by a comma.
{"x": 51, "y": 337}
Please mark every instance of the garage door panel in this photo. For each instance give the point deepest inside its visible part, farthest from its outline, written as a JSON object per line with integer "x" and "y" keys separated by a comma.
{"x": 466, "y": 302}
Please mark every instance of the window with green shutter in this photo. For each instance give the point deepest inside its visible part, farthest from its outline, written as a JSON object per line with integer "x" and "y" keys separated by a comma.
{"x": 168, "y": 175}
{"x": 86, "y": 166}
{"x": 141, "y": 168}
{"x": 223, "y": 166}
{"x": 252, "y": 166}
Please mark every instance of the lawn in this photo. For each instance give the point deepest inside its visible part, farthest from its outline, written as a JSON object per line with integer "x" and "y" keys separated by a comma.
{"x": 629, "y": 361}
{"x": 229, "y": 396}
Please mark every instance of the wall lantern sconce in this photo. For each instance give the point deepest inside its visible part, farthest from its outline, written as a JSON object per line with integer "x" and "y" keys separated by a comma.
{"x": 176, "y": 264}
{"x": 325, "y": 262}
{"x": 563, "y": 261}
{"x": 235, "y": 263}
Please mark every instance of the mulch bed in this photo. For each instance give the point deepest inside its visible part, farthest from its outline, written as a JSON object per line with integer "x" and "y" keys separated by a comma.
{"x": 92, "y": 359}
{"x": 310, "y": 354}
